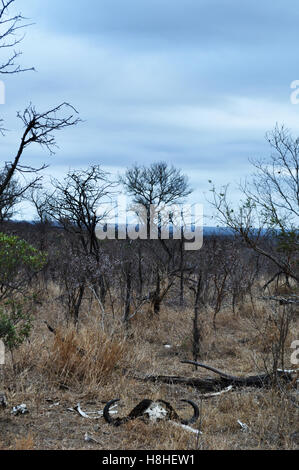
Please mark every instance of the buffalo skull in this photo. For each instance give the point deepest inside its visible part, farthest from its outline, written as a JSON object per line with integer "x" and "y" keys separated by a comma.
{"x": 152, "y": 411}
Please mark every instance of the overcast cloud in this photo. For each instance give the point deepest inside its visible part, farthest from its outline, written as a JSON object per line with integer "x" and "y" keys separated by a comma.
{"x": 197, "y": 83}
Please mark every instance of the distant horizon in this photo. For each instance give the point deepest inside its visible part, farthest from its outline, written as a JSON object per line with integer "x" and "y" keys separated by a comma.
{"x": 56, "y": 223}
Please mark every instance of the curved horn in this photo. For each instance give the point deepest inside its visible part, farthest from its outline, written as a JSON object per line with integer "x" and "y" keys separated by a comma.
{"x": 195, "y": 415}
{"x": 106, "y": 414}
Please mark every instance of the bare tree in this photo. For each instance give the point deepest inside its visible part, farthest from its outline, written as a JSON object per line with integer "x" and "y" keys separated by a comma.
{"x": 75, "y": 205}
{"x": 39, "y": 128}
{"x": 75, "y": 272}
{"x": 156, "y": 185}
{"x": 76, "y": 202}
{"x": 10, "y": 27}
{"x": 271, "y": 205}
{"x": 39, "y": 201}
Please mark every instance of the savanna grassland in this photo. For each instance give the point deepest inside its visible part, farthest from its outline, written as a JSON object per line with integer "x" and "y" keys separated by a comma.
{"x": 102, "y": 359}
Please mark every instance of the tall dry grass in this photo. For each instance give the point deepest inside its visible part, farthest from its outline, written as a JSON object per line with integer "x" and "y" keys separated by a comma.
{"x": 84, "y": 359}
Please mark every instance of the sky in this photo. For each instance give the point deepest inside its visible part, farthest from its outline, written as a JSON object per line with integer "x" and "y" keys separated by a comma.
{"x": 195, "y": 83}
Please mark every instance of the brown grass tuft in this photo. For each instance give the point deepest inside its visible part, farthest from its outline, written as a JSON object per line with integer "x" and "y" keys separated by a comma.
{"x": 24, "y": 443}
{"x": 87, "y": 357}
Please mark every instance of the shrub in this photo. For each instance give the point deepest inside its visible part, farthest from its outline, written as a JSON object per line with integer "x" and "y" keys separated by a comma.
{"x": 19, "y": 263}
{"x": 15, "y": 325}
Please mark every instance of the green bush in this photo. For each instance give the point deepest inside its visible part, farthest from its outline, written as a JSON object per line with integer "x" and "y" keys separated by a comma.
{"x": 15, "y": 325}
{"x": 19, "y": 262}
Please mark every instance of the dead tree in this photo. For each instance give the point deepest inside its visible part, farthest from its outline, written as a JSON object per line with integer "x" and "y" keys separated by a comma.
{"x": 40, "y": 128}
{"x": 10, "y": 26}
{"x": 270, "y": 207}
{"x": 224, "y": 380}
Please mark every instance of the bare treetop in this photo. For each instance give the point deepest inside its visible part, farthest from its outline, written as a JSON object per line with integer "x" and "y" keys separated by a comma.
{"x": 39, "y": 129}
{"x": 157, "y": 184}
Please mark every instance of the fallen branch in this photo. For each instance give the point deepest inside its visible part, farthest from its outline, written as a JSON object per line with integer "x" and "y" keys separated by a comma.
{"x": 208, "y": 385}
{"x": 221, "y": 383}
{"x": 260, "y": 380}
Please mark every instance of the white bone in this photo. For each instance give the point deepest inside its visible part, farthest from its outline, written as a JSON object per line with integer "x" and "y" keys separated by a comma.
{"x": 85, "y": 415}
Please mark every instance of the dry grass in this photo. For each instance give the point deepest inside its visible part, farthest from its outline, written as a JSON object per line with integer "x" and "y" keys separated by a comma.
{"x": 52, "y": 373}
{"x": 24, "y": 443}
{"x": 86, "y": 358}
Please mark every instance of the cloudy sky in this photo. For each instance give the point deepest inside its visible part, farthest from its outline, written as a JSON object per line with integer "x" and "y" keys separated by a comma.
{"x": 196, "y": 83}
